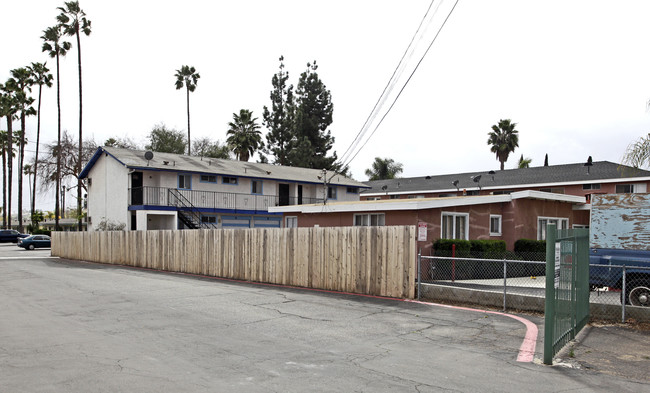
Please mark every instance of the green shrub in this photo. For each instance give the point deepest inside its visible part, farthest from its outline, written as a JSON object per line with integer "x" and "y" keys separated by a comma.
{"x": 528, "y": 245}
{"x": 42, "y": 232}
{"x": 446, "y": 245}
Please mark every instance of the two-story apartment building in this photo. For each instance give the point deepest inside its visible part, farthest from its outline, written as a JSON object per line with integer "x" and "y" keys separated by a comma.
{"x": 151, "y": 190}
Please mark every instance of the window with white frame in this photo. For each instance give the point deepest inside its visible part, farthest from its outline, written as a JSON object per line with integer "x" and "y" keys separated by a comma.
{"x": 624, "y": 188}
{"x": 543, "y": 222}
{"x": 331, "y": 192}
{"x": 495, "y": 225}
{"x": 256, "y": 187}
{"x": 455, "y": 226}
{"x": 369, "y": 220}
{"x": 185, "y": 181}
{"x": 291, "y": 222}
{"x": 373, "y": 199}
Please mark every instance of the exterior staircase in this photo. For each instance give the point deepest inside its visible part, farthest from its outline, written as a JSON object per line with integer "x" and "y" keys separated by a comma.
{"x": 187, "y": 212}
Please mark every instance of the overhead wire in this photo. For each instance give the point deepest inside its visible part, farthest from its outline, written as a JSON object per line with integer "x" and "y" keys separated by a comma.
{"x": 405, "y": 84}
{"x": 390, "y": 82}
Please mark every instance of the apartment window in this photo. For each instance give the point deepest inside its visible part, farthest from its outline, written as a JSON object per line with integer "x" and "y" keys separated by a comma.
{"x": 501, "y": 192}
{"x": 495, "y": 225}
{"x": 455, "y": 226}
{"x": 472, "y": 192}
{"x": 256, "y": 187}
{"x": 447, "y": 195}
{"x": 595, "y": 186}
{"x": 352, "y": 190}
{"x": 394, "y": 197}
{"x": 331, "y": 192}
{"x": 185, "y": 181}
{"x": 415, "y": 196}
{"x": 373, "y": 199}
{"x": 228, "y": 180}
{"x": 543, "y": 222}
{"x": 291, "y": 222}
{"x": 208, "y": 178}
{"x": 554, "y": 190}
{"x": 369, "y": 220}
{"x": 624, "y": 188}
{"x": 209, "y": 219}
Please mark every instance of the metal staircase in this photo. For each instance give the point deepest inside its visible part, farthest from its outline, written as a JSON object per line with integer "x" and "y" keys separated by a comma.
{"x": 187, "y": 212}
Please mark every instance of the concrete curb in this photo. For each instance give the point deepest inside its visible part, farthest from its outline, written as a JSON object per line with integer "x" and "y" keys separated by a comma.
{"x": 564, "y": 352}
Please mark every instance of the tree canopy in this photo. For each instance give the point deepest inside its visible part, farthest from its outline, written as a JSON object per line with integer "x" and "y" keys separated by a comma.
{"x": 524, "y": 162}
{"x": 205, "y": 147}
{"x": 187, "y": 77}
{"x": 503, "y": 139}
{"x": 244, "y": 136}
{"x": 166, "y": 140}
{"x": 383, "y": 169}
{"x": 637, "y": 154}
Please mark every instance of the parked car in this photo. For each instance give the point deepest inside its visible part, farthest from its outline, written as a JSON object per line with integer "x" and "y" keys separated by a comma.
{"x": 11, "y": 235}
{"x": 35, "y": 241}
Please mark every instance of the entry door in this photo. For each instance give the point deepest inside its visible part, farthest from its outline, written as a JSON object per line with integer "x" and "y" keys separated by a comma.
{"x": 299, "y": 194}
{"x": 136, "y": 188}
{"x": 283, "y": 190}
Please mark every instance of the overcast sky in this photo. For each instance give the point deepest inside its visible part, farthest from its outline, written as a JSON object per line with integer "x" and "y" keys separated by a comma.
{"x": 573, "y": 75}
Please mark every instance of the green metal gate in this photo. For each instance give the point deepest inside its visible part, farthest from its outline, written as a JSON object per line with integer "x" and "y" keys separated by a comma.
{"x": 567, "y": 287}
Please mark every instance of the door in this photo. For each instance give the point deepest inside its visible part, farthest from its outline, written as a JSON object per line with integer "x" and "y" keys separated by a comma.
{"x": 136, "y": 188}
{"x": 283, "y": 191}
{"x": 299, "y": 194}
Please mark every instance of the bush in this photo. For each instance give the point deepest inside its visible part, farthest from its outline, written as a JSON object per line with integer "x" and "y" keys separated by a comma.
{"x": 528, "y": 245}
{"x": 446, "y": 245}
{"x": 42, "y": 232}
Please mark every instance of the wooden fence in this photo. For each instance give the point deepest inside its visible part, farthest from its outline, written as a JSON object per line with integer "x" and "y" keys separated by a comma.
{"x": 368, "y": 260}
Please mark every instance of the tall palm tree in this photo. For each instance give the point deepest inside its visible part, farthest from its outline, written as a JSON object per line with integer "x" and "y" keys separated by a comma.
{"x": 73, "y": 21}
{"x": 637, "y": 154}
{"x": 244, "y": 135}
{"x": 9, "y": 106}
{"x": 55, "y": 47}
{"x": 187, "y": 76}
{"x": 383, "y": 169}
{"x": 4, "y": 151}
{"x": 40, "y": 76}
{"x": 503, "y": 139}
{"x": 22, "y": 80}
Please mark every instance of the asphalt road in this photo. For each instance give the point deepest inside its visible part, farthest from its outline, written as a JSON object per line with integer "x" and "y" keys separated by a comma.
{"x": 79, "y": 327}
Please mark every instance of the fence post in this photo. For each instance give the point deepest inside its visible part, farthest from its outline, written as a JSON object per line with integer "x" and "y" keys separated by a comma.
{"x": 549, "y": 300}
{"x": 453, "y": 263}
{"x": 623, "y": 297}
{"x": 419, "y": 272}
{"x": 505, "y": 275}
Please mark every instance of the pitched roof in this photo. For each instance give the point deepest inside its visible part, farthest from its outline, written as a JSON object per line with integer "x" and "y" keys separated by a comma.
{"x": 134, "y": 159}
{"x": 542, "y": 176}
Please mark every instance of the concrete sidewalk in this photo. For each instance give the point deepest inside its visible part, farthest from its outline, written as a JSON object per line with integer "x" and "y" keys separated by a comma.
{"x": 619, "y": 350}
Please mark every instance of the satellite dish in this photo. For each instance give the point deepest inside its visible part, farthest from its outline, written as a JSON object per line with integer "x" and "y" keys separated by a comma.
{"x": 148, "y": 155}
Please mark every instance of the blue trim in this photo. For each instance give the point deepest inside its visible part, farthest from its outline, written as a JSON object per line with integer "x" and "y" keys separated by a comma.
{"x": 178, "y": 180}
{"x": 152, "y": 207}
{"x": 230, "y": 177}
{"x": 261, "y": 191}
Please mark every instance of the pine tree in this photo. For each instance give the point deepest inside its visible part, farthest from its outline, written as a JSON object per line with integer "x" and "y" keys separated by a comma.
{"x": 314, "y": 110}
{"x": 279, "y": 121}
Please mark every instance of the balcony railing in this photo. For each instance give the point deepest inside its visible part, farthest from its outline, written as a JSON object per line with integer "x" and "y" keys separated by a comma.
{"x": 160, "y": 196}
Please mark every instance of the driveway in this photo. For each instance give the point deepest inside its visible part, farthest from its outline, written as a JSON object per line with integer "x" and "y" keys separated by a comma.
{"x": 77, "y": 327}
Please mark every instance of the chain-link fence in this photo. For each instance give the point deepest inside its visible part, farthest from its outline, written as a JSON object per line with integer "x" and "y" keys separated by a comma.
{"x": 516, "y": 282}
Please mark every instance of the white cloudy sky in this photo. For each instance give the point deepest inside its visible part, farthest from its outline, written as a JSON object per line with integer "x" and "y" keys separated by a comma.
{"x": 574, "y": 75}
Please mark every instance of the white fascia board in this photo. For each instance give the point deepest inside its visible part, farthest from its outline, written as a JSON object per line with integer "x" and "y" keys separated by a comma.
{"x": 512, "y": 186}
{"x": 549, "y": 196}
{"x": 414, "y": 204}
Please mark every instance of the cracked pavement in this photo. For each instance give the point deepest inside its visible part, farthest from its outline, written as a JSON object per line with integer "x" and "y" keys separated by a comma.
{"x": 76, "y": 327}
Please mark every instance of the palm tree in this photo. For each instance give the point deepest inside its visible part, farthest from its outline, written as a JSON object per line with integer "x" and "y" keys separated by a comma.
{"x": 637, "y": 153}
{"x": 22, "y": 80}
{"x": 73, "y": 21}
{"x": 9, "y": 106}
{"x": 383, "y": 169}
{"x": 524, "y": 162}
{"x": 40, "y": 76}
{"x": 503, "y": 140}
{"x": 187, "y": 76}
{"x": 56, "y": 47}
{"x": 245, "y": 137}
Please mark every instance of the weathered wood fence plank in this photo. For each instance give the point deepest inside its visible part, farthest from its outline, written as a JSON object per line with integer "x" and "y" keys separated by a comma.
{"x": 369, "y": 260}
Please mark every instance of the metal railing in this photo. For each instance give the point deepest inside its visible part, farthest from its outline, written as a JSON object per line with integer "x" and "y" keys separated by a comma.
{"x": 158, "y": 196}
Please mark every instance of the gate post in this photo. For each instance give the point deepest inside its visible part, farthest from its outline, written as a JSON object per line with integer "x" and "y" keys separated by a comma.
{"x": 549, "y": 301}
{"x": 419, "y": 272}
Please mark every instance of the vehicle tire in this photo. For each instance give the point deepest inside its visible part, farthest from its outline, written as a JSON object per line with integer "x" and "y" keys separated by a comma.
{"x": 638, "y": 293}
{"x": 31, "y": 246}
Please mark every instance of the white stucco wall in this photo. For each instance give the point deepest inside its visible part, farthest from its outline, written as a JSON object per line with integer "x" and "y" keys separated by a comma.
{"x": 108, "y": 184}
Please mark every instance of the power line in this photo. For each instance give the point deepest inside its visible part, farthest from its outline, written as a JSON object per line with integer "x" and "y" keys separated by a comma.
{"x": 391, "y": 80}
{"x": 405, "y": 84}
